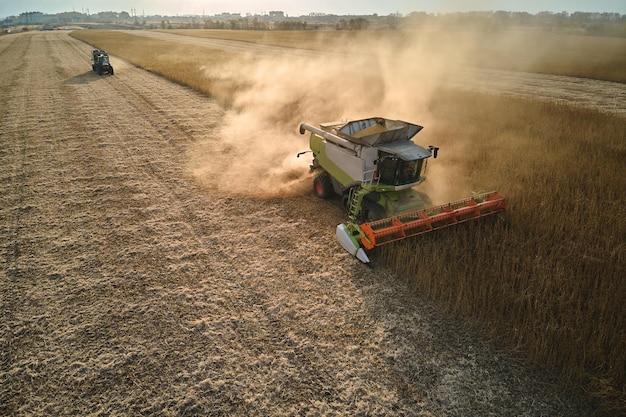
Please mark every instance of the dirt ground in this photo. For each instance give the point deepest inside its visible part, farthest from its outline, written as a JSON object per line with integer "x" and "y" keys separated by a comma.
{"x": 128, "y": 288}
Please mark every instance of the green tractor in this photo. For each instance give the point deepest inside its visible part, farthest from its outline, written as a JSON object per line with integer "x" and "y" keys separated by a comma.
{"x": 100, "y": 62}
{"x": 374, "y": 166}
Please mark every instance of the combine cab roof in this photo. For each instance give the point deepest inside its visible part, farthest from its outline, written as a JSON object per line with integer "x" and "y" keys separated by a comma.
{"x": 373, "y": 131}
{"x": 406, "y": 150}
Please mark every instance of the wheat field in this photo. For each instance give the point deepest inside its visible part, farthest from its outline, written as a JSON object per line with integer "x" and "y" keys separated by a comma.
{"x": 547, "y": 279}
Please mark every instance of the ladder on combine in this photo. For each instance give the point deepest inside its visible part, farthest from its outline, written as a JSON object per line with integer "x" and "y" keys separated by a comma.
{"x": 356, "y": 200}
{"x": 356, "y": 238}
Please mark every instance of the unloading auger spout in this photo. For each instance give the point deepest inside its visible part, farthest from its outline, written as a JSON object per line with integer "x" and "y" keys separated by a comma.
{"x": 375, "y": 166}
{"x": 328, "y": 136}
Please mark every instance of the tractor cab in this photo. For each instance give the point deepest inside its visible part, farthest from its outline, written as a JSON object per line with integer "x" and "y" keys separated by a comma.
{"x": 101, "y": 62}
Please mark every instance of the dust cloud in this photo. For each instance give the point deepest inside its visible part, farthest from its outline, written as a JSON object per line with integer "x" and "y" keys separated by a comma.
{"x": 389, "y": 75}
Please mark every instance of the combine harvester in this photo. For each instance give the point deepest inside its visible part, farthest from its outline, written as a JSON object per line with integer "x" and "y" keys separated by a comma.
{"x": 374, "y": 165}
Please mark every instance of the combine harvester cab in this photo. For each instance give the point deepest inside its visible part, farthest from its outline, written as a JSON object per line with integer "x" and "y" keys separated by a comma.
{"x": 374, "y": 165}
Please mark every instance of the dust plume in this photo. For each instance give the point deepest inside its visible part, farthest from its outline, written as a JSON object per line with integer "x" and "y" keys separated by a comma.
{"x": 392, "y": 75}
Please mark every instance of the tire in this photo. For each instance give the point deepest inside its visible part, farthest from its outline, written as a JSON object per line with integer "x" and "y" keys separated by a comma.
{"x": 323, "y": 186}
{"x": 100, "y": 71}
{"x": 373, "y": 212}
{"x": 111, "y": 70}
{"x": 345, "y": 201}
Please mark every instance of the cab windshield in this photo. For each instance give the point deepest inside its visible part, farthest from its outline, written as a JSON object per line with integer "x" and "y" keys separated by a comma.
{"x": 396, "y": 171}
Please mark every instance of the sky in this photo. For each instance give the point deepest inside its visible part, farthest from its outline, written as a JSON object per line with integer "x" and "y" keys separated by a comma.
{"x": 304, "y": 7}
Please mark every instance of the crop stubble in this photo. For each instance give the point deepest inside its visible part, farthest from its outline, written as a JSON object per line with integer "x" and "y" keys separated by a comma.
{"x": 127, "y": 287}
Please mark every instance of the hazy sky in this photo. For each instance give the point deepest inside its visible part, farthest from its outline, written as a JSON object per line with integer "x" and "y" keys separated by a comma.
{"x": 303, "y": 7}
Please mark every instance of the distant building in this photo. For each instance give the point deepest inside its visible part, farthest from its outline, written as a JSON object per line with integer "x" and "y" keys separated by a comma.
{"x": 31, "y": 18}
{"x": 225, "y": 16}
{"x": 277, "y": 15}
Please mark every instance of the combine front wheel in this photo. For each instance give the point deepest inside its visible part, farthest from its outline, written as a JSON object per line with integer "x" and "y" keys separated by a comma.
{"x": 373, "y": 212}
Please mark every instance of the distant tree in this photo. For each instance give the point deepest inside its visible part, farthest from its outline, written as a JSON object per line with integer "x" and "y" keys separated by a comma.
{"x": 358, "y": 23}
{"x": 501, "y": 17}
{"x": 258, "y": 25}
{"x": 393, "y": 21}
{"x": 107, "y": 17}
{"x": 70, "y": 17}
{"x": 521, "y": 18}
{"x": 418, "y": 18}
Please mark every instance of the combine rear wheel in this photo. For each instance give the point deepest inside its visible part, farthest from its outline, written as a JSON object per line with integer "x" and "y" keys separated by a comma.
{"x": 323, "y": 186}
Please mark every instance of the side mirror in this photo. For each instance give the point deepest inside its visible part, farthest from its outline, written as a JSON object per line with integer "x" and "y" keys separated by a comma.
{"x": 434, "y": 150}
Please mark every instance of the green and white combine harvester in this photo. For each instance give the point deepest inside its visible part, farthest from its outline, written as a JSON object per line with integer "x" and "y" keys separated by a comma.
{"x": 374, "y": 166}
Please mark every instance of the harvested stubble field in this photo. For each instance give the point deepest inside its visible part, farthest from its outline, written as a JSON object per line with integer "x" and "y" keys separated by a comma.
{"x": 163, "y": 254}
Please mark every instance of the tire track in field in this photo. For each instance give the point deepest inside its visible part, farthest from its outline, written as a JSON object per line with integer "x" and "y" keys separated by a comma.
{"x": 102, "y": 159}
{"x": 277, "y": 334}
{"x": 12, "y": 149}
{"x": 31, "y": 100}
{"x": 275, "y": 331}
